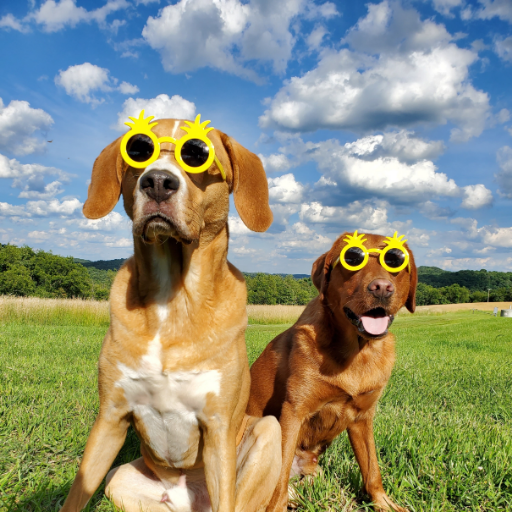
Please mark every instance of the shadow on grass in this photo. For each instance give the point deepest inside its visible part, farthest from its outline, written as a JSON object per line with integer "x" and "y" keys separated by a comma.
{"x": 49, "y": 497}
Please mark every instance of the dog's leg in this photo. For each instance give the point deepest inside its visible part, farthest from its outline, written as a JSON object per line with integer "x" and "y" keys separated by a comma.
{"x": 219, "y": 456}
{"x": 290, "y": 426}
{"x": 361, "y": 438}
{"x": 105, "y": 440}
{"x": 258, "y": 464}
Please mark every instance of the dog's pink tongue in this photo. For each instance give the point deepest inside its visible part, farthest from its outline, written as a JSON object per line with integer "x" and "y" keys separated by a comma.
{"x": 375, "y": 326}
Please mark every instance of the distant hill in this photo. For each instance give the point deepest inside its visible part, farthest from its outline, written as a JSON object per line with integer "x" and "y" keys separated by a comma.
{"x": 295, "y": 276}
{"x": 472, "y": 279}
{"x": 102, "y": 264}
{"x": 423, "y": 271}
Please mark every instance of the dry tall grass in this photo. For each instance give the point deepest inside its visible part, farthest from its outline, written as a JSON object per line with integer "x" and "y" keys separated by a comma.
{"x": 32, "y": 310}
{"x": 452, "y": 308}
{"x": 273, "y": 314}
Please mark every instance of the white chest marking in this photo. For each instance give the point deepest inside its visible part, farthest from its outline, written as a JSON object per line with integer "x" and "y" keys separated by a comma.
{"x": 167, "y": 403}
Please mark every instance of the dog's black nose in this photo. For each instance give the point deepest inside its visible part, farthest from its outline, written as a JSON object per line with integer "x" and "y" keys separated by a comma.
{"x": 381, "y": 288}
{"x": 159, "y": 185}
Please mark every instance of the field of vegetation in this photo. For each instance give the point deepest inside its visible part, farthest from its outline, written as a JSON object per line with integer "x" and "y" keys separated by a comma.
{"x": 443, "y": 427}
{"x": 28, "y": 273}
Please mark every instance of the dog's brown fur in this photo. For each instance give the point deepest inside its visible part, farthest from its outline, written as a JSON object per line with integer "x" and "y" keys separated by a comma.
{"x": 177, "y": 313}
{"x": 323, "y": 375}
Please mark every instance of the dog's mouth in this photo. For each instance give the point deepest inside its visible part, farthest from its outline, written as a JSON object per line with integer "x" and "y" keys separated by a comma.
{"x": 158, "y": 226}
{"x": 374, "y": 323}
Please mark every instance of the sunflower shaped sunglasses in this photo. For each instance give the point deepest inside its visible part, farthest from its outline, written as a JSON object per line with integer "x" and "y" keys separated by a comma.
{"x": 354, "y": 256}
{"x": 194, "y": 151}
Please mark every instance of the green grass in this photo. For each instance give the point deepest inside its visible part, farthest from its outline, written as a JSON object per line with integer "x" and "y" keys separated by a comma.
{"x": 443, "y": 428}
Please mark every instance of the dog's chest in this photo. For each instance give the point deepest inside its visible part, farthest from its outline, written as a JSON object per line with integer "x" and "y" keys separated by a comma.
{"x": 166, "y": 405}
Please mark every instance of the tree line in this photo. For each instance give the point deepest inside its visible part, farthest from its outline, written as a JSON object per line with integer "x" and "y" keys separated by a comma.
{"x": 427, "y": 295}
{"x": 26, "y": 272}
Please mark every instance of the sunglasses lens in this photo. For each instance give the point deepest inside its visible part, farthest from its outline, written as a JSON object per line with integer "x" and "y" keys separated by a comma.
{"x": 394, "y": 258}
{"x": 195, "y": 152}
{"x": 140, "y": 148}
{"x": 354, "y": 257}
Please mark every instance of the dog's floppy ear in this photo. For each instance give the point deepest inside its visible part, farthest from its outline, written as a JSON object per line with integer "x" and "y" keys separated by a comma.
{"x": 410, "y": 303}
{"x": 105, "y": 187}
{"x": 249, "y": 185}
{"x": 317, "y": 272}
{"x": 321, "y": 273}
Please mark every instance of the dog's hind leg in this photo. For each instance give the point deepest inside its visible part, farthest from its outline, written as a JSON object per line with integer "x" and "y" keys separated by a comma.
{"x": 258, "y": 464}
{"x": 134, "y": 487}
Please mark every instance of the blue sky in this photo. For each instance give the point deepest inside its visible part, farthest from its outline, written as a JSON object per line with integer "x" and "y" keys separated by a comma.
{"x": 378, "y": 117}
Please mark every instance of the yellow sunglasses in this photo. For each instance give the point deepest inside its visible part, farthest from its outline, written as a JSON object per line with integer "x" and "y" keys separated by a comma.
{"x": 194, "y": 151}
{"x": 354, "y": 256}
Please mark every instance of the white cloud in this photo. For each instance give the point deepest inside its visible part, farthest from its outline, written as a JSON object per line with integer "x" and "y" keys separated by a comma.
{"x": 9, "y": 21}
{"x": 18, "y": 122}
{"x": 504, "y": 178}
{"x": 237, "y": 227}
{"x": 38, "y": 236}
{"x": 445, "y": 6}
{"x": 495, "y": 8}
{"x": 283, "y": 212}
{"x": 316, "y": 37}
{"x": 243, "y": 251}
{"x": 402, "y": 145}
{"x": 503, "y": 48}
{"x": 126, "y": 88}
{"x": 48, "y": 191}
{"x": 10, "y": 210}
{"x": 433, "y": 211}
{"x": 503, "y": 116}
{"x": 197, "y": 33}
{"x": 439, "y": 251}
{"x": 401, "y": 71}
{"x": 53, "y": 207}
{"x": 497, "y": 237}
{"x": 81, "y": 80}
{"x": 42, "y": 208}
{"x": 476, "y": 196}
{"x": 302, "y": 238}
{"x": 393, "y": 166}
{"x": 161, "y": 107}
{"x": 113, "y": 221}
{"x": 78, "y": 239}
{"x": 356, "y": 215}
{"x": 462, "y": 263}
{"x": 285, "y": 189}
{"x": 363, "y": 166}
{"x": 28, "y": 176}
{"x": 56, "y": 15}
{"x": 275, "y": 163}
{"x": 119, "y": 243}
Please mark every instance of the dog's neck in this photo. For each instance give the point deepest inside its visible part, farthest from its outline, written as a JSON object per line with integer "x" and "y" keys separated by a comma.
{"x": 169, "y": 267}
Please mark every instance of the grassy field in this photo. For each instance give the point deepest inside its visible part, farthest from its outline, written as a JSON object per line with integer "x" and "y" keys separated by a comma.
{"x": 443, "y": 427}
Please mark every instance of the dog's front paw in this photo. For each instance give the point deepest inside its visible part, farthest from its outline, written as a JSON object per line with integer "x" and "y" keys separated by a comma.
{"x": 384, "y": 504}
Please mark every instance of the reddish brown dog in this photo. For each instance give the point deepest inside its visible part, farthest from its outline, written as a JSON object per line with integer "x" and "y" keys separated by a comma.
{"x": 327, "y": 372}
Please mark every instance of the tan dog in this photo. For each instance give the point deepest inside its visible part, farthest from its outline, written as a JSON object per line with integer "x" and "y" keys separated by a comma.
{"x": 173, "y": 362}
{"x": 326, "y": 373}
